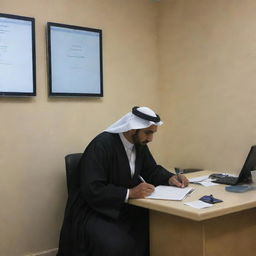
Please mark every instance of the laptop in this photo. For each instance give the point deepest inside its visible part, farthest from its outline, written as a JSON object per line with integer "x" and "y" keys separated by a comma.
{"x": 245, "y": 174}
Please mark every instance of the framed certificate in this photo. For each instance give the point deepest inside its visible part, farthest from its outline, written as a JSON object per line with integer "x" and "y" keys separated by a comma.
{"x": 74, "y": 60}
{"x": 17, "y": 56}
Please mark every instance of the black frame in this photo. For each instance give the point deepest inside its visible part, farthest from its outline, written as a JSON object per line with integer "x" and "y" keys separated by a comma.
{"x": 85, "y": 92}
{"x": 33, "y": 61}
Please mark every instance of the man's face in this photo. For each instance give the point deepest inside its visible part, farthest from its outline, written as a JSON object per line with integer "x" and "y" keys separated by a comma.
{"x": 144, "y": 136}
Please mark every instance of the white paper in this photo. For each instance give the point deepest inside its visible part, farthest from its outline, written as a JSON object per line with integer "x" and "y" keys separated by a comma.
{"x": 203, "y": 180}
{"x": 199, "y": 179}
{"x": 208, "y": 183}
{"x": 170, "y": 193}
{"x": 198, "y": 204}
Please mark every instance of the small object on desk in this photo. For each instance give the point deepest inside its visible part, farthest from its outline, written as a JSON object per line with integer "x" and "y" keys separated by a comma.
{"x": 253, "y": 173}
{"x": 217, "y": 175}
{"x": 210, "y": 199}
{"x": 188, "y": 170}
{"x": 239, "y": 188}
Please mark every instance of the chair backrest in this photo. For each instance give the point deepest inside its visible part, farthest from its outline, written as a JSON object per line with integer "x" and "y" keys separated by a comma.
{"x": 72, "y": 161}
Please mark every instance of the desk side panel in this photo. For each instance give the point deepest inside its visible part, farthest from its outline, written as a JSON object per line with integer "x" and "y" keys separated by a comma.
{"x": 233, "y": 234}
{"x": 173, "y": 235}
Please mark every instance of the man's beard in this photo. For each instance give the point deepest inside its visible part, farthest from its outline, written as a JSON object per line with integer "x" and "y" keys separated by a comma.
{"x": 136, "y": 140}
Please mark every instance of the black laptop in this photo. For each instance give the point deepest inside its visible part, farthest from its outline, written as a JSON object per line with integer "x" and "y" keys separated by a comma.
{"x": 245, "y": 174}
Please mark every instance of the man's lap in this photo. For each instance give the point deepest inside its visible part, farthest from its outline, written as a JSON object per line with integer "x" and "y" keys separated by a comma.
{"x": 106, "y": 236}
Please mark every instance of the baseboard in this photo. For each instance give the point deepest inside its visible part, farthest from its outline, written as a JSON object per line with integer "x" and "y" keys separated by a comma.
{"x": 51, "y": 252}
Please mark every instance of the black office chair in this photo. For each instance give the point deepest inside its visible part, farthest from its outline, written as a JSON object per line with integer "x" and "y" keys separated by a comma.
{"x": 72, "y": 161}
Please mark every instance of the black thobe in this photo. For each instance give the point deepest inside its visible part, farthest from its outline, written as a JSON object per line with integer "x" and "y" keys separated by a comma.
{"x": 97, "y": 220}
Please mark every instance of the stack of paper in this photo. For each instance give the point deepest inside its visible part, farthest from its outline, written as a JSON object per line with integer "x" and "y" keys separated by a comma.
{"x": 170, "y": 193}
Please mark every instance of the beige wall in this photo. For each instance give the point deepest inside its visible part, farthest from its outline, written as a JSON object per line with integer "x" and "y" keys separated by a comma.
{"x": 207, "y": 72}
{"x": 204, "y": 90}
{"x": 37, "y": 133}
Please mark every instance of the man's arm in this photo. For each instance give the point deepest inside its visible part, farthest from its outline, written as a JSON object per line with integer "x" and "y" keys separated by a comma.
{"x": 158, "y": 175}
{"x": 151, "y": 171}
{"x": 96, "y": 189}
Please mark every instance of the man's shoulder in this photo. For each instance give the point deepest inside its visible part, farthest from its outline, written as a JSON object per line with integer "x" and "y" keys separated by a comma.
{"x": 106, "y": 137}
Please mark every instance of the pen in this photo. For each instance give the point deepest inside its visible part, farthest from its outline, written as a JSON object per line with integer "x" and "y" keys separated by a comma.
{"x": 142, "y": 179}
{"x": 178, "y": 172}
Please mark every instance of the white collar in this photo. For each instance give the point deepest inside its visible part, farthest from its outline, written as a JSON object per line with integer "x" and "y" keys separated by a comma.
{"x": 127, "y": 144}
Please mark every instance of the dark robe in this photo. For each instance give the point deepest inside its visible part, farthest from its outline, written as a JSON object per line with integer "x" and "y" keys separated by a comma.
{"x": 97, "y": 220}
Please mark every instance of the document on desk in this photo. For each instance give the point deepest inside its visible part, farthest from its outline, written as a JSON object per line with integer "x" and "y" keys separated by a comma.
{"x": 203, "y": 180}
{"x": 170, "y": 193}
{"x": 198, "y": 204}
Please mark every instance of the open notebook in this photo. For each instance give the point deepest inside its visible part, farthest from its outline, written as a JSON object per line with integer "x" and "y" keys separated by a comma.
{"x": 170, "y": 193}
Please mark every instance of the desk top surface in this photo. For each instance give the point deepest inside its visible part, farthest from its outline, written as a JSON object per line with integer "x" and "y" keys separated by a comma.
{"x": 232, "y": 202}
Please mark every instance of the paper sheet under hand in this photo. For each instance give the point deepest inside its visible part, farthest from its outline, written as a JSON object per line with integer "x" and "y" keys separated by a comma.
{"x": 170, "y": 193}
{"x": 198, "y": 204}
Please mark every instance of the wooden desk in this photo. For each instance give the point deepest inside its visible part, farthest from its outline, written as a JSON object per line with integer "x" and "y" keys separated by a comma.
{"x": 227, "y": 228}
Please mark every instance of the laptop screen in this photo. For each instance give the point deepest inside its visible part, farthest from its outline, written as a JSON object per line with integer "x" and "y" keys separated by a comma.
{"x": 249, "y": 165}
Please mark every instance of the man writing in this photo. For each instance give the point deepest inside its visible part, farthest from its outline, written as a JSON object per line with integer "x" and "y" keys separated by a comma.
{"x": 98, "y": 220}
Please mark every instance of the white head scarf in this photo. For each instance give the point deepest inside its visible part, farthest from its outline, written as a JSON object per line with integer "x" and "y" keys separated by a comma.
{"x": 139, "y": 118}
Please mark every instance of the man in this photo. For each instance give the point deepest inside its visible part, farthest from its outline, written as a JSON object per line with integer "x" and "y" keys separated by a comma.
{"x": 115, "y": 166}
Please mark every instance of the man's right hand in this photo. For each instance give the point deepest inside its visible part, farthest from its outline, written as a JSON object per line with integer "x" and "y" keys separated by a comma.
{"x": 141, "y": 190}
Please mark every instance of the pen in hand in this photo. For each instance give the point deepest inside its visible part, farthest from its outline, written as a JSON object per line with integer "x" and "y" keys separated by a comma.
{"x": 178, "y": 172}
{"x": 140, "y": 177}
{"x": 142, "y": 190}
{"x": 178, "y": 180}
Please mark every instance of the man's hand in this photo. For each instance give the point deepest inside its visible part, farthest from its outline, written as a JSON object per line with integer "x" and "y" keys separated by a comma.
{"x": 179, "y": 181}
{"x": 141, "y": 190}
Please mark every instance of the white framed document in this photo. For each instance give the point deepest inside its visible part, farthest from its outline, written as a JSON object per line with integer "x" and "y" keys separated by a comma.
{"x": 74, "y": 60}
{"x": 17, "y": 55}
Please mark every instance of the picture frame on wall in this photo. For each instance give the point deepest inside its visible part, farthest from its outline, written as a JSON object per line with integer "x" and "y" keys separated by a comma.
{"x": 74, "y": 61}
{"x": 17, "y": 56}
